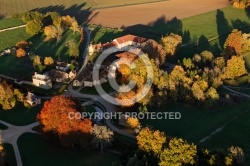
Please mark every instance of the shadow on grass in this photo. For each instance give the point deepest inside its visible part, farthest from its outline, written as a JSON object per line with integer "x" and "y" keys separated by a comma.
{"x": 81, "y": 15}
{"x": 2, "y": 16}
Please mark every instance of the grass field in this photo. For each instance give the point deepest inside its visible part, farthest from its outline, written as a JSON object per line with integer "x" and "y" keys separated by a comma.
{"x": 196, "y": 124}
{"x": 235, "y": 133}
{"x": 35, "y": 151}
{"x": 7, "y": 23}
{"x": 10, "y": 7}
{"x": 20, "y": 115}
{"x": 10, "y": 155}
{"x": 10, "y": 38}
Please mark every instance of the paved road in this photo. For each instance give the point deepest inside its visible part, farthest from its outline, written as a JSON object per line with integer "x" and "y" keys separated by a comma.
{"x": 11, "y": 135}
{"x": 236, "y": 92}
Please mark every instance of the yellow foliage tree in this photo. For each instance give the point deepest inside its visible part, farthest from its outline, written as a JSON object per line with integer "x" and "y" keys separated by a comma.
{"x": 150, "y": 140}
{"x": 171, "y": 42}
{"x": 20, "y": 53}
{"x": 235, "y": 67}
{"x": 132, "y": 122}
{"x": 48, "y": 61}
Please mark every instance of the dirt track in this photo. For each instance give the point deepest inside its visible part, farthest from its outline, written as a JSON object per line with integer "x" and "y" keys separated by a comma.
{"x": 146, "y": 14}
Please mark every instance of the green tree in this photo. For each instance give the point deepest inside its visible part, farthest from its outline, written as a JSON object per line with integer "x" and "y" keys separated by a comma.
{"x": 73, "y": 49}
{"x": 103, "y": 136}
{"x": 34, "y": 26}
{"x": 178, "y": 153}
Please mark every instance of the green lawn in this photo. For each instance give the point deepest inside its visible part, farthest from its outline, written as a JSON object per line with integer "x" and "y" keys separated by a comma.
{"x": 35, "y": 151}
{"x": 10, "y": 38}
{"x": 196, "y": 123}
{"x": 235, "y": 133}
{"x": 10, "y": 155}
{"x": 19, "y": 68}
{"x": 50, "y": 48}
{"x": 102, "y": 34}
{"x": 20, "y": 115}
{"x": 7, "y": 23}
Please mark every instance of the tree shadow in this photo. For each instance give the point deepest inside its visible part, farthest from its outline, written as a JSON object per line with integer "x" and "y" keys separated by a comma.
{"x": 241, "y": 25}
{"x": 82, "y": 15}
{"x": 2, "y": 16}
{"x": 223, "y": 27}
{"x": 158, "y": 28}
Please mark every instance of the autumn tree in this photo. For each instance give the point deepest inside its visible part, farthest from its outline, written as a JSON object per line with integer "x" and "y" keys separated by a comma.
{"x": 207, "y": 56}
{"x": 155, "y": 51}
{"x": 34, "y": 26}
{"x": 237, "y": 155}
{"x": 48, "y": 61}
{"x": 23, "y": 44}
{"x": 70, "y": 22}
{"x": 233, "y": 43}
{"x": 37, "y": 60}
{"x": 1, "y": 151}
{"x": 132, "y": 122}
{"x": 150, "y": 140}
{"x": 52, "y": 32}
{"x": 58, "y": 126}
{"x": 73, "y": 48}
{"x": 171, "y": 42}
{"x": 242, "y": 4}
{"x": 103, "y": 136}
{"x": 235, "y": 67}
{"x": 9, "y": 96}
{"x": 178, "y": 153}
{"x": 20, "y": 52}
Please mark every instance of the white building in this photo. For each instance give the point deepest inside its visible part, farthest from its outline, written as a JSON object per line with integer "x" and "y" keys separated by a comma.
{"x": 42, "y": 81}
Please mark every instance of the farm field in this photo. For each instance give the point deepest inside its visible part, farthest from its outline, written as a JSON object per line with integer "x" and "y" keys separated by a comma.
{"x": 10, "y": 7}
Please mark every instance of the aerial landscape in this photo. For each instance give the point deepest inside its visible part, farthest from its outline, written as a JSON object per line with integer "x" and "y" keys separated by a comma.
{"x": 125, "y": 83}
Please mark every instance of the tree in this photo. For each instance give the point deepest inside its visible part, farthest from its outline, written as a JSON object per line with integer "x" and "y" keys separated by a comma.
{"x": 237, "y": 154}
{"x": 242, "y": 4}
{"x": 56, "y": 126}
{"x": 7, "y": 98}
{"x": 37, "y": 60}
{"x": 1, "y": 151}
{"x": 103, "y": 136}
{"x": 132, "y": 122}
{"x": 73, "y": 48}
{"x": 171, "y": 42}
{"x": 20, "y": 52}
{"x": 233, "y": 43}
{"x": 23, "y": 44}
{"x": 155, "y": 51}
{"x": 48, "y": 61}
{"x": 178, "y": 153}
{"x": 207, "y": 56}
{"x": 34, "y": 26}
{"x": 50, "y": 32}
{"x": 235, "y": 67}
{"x": 150, "y": 140}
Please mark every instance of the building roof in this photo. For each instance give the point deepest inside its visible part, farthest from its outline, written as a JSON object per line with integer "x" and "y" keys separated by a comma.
{"x": 40, "y": 76}
{"x": 132, "y": 38}
{"x": 108, "y": 45}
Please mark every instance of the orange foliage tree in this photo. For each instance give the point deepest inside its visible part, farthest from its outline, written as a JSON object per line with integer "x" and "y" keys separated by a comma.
{"x": 233, "y": 43}
{"x": 23, "y": 44}
{"x": 20, "y": 53}
{"x": 57, "y": 126}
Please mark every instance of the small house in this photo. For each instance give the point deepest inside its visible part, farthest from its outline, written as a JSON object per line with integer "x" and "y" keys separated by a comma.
{"x": 42, "y": 81}
{"x": 32, "y": 99}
